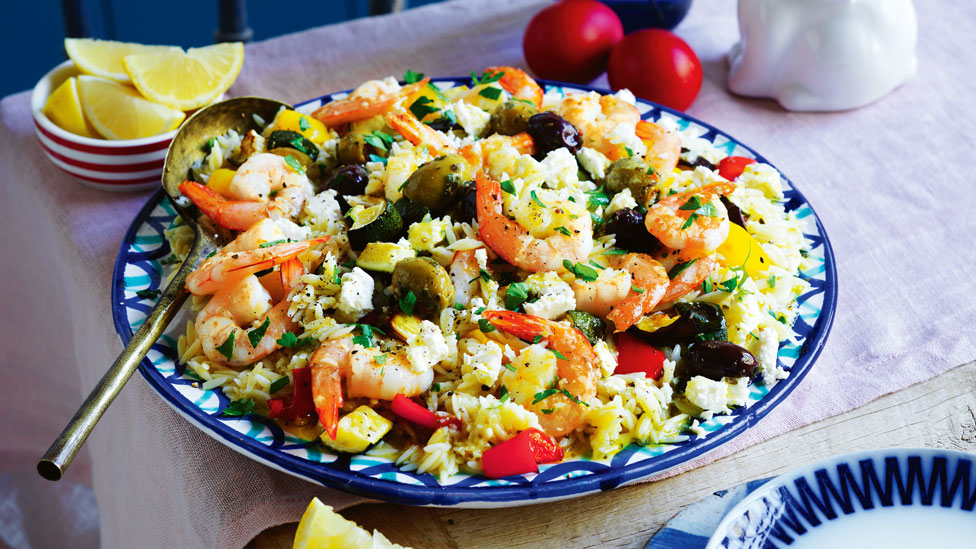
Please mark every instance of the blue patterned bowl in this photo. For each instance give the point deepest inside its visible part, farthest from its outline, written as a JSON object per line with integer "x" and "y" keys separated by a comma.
{"x": 138, "y": 268}
{"x": 900, "y": 497}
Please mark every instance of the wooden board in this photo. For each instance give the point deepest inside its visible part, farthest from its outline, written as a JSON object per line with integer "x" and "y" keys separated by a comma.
{"x": 939, "y": 413}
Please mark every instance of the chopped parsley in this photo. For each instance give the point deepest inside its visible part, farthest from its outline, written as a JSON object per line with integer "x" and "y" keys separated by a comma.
{"x": 239, "y": 408}
{"x": 535, "y": 198}
{"x": 771, "y": 281}
{"x": 558, "y": 354}
{"x": 437, "y": 91}
{"x": 651, "y": 170}
{"x": 486, "y": 327}
{"x": 227, "y": 347}
{"x": 148, "y": 294}
{"x": 680, "y": 268}
{"x": 597, "y": 265}
{"x": 411, "y": 77}
{"x": 273, "y": 243}
{"x": 484, "y": 275}
{"x": 692, "y": 204}
{"x": 303, "y": 123}
{"x": 256, "y": 335}
{"x": 707, "y": 286}
{"x": 509, "y": 367}
{"x": 636, "y": 289}
{"x": 630, "y": 153}
{"x": 480, "y": 310}
{"x": 580, "y": 271}
{"x": 459, "y": 306}
{"x": 407, "y": 302}
{"x": 294, "y": 164}
{"x": 503, "y": 396}
{"x": 779, "y": 318}
{"x": 564, "y": 230}
{"x": 377, "y": 158}
{"x": 516, "y": 294}
{"x": 542, "y": 395}
{"x": 278, "y": 385}
{"x": 548, "y": 411}
{"x": 379, "y": 139}
{"x": 422, "y": 107}
{"x": 172, "y": 259}
{"x": 380, "y": 359}
{"x": 366, "y": 338}
{"x": 490, "y": 93}
{"x": 486, "y": 78}
{"x": 536, "y": 339}
{"x": 598, "y": 198}
{"x": 435, "y": 388}
{"x": 508, "y": 187}
{"x": 297, "y": 143}
{"x": 290, "y": 340}
{"x": 614, "y": 251}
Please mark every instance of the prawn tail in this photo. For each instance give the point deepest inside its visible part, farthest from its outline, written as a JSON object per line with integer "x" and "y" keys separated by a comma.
{"x": 518, "y": 83}
{"x": 523, "y": 143}
{"x": 290, "y": 271}
{"x": 326, "y": 393}
{"x": 344, "y": 111}
{"x": 520, "y": 325}
{"x": 419, "y": 133}
{"x": 235, "y": 215}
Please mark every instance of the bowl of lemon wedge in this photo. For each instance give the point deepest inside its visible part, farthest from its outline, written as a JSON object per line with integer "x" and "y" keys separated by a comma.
{"x": 108, "y": 114}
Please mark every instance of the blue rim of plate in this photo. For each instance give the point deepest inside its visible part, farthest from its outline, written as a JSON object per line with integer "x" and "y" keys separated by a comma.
{"x": 785, "y": 508}
{"x": 385, "y": 481}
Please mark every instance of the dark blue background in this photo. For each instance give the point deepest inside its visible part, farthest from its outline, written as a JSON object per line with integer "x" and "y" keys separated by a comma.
{"x": 32, "y": 31}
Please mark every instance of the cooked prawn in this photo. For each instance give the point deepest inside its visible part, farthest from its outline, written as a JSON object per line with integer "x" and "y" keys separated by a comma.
{"x": 437, "y": 143}
{"x": 264, "y": 186}
{"x": 230, "y": 265}
{"x": 649, "y": 282}
{"x": 463, "y": 269}
{"x": 514, "y": 244}
{"x": 608, "y": 124}
{"x": 338, "y": 359}
{"x": 663, "y": 147}
{"x": 369, "y": 99}
{"x": 690, "y": 277}
{"x": 518, "y": 83}
{"x": 670, "y": 220}
{"x": 576, "y": 365}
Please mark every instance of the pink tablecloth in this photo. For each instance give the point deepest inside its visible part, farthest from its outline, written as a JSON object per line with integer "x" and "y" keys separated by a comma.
{"x": 890, "y": 181}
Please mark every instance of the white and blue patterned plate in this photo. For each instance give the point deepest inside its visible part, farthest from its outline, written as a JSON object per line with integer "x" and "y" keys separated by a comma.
{"x": 890, "y": 498}
{"x": 138, "y": 268}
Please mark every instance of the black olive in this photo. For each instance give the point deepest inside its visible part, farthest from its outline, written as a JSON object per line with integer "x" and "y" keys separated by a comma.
{"x": 698, "y": 321}
{"x": 551, "y": 131}
{"x": 348, "y": 180}
{"x": 632, "y": 235}
{"x": 443, "y": 124}
{"x": 468, "y": 203}
{"x": 735, "y": 214}
{"x": 720, "y": 359}
{"x": 692, "y": 160}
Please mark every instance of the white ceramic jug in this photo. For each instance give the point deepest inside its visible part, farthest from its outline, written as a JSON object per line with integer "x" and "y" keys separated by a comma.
{"x": 823, "y": 55}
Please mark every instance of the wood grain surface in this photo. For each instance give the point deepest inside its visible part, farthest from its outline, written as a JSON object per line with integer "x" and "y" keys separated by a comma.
{"x": 938, "y": 413}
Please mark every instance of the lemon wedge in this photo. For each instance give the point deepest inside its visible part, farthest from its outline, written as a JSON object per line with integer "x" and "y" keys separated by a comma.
{"x": 187, "y": 80}
{"x": 63, "y": 107}
{"x": 104, "y": 57}
{"x": 323, "y": 528}
{"x": 118, "y": 112}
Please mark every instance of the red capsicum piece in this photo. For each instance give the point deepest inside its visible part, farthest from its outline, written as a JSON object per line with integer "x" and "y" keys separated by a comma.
{"x": 731, "y": 167}
{"x": 421, "y": 416}
{"x": 635, "y": 355}
{"x": 520, "y": 454}
{"x": 298, "y": 405}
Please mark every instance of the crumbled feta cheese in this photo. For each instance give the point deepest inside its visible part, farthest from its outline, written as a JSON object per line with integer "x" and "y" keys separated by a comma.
{"x": 561, "y": 168}
{"x": 356, "y": 294}
{"x": 623, "y": 134}
{"x": 714, "y": 397}
{"x": 594, "y": 162}
{"x": 427, "y": 348}
{"x": 626, "y": 96}
{"x": 471, "y": 118}
{"x": 555, "y": 296}
{"x": 763, "y": 177}
{"x": 484, "y": 361}
{"x": 622, "y": 200}
{"x": 606, "y": 357}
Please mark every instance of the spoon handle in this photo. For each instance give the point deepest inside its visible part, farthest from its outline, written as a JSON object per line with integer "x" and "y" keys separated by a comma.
{"x": 57, "y": 458}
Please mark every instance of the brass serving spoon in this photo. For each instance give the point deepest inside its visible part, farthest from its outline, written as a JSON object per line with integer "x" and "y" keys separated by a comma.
{"x": 187, "y": 147}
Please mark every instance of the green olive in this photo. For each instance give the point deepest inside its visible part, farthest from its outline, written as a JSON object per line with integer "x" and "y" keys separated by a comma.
{"x": 428, "y": 281}
{"x": 629, "y": 173}
{"x": 354, "y": 149}
{"x": 435, "y": 184}
{"x": 511, "y": 117}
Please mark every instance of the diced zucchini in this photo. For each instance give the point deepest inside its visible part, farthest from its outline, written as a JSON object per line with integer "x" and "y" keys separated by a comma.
{"x": 284, "y": 139}
{"x": 383, "y": 256}
{"x": 380, "y": 223}
{"x": 410, "y": 211}
{"x": 358, "y": 430}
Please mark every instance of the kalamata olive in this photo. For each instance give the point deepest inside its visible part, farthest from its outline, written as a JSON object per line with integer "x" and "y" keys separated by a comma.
{"x": 511, "y": 117}
{"x": 551, "y": 131}
{"x": 735, "y": 214}
{"x": 468, "y": 203}
{"x": 692, "y": 160}
{"x": 348, "y": 180}
{"x": 443, "y": 124}
{"x": 698, "y": 321}
{"x": 629, "y": 173}
{"x": 719, "y": 359}
{"x": 632, "y": 235}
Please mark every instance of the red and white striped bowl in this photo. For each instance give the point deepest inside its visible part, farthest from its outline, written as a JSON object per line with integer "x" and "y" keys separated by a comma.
{"x": 123, "y": 165}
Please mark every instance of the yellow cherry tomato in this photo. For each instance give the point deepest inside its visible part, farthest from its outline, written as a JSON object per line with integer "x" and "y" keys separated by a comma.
{"x": 741, "y": 249}
{"x": 427, "y": 103}
{"x": 220, "y": 180}
{"x": 311, "y": 128}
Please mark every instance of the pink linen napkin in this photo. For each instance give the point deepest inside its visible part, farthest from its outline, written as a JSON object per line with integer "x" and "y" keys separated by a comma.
{"x": 886, "y": 180}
